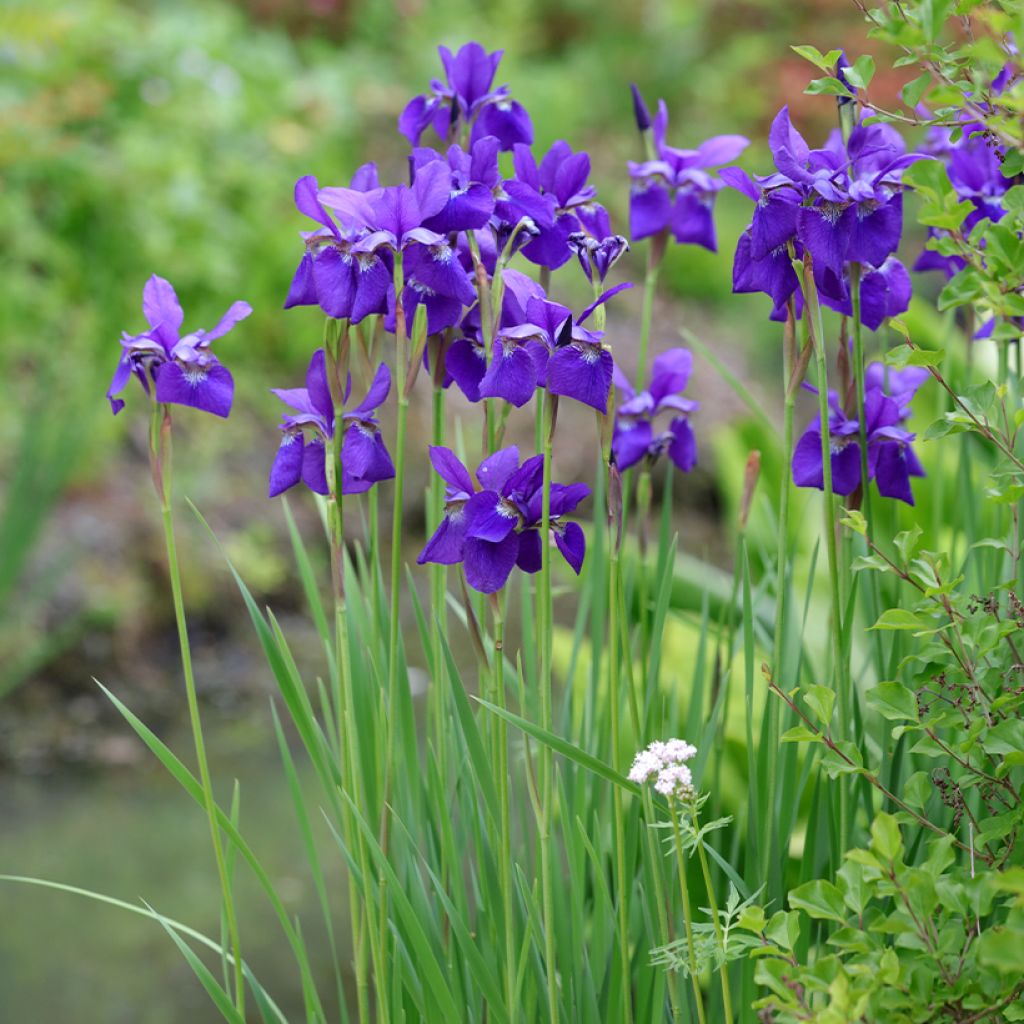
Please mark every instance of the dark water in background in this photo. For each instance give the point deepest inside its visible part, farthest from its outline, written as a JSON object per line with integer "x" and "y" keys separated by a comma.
{"x": 134, "y": 834}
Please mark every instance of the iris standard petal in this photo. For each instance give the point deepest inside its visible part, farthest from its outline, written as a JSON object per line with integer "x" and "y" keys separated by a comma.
{"x": 450, "y": 469}
{"x": 377, "y": 393}
{"x": 318, "y": 389}
{"x": 495, "y": 470}
{"x": 162, "y": 310}
{"x": 670, "y": 372}
{"x": 237, "y": 312}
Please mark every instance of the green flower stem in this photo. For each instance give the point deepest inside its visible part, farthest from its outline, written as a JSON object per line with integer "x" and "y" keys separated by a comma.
{"x": 655, "y": 249}
{"x": 812, "y": 312}
{"x": 394, "y": 622}
{"x": 544, "y": 681}
{"x": 684, "y": 893}
{"x": 656, "y": 860}
{"x": 502, "y": 778}
{"x": 622, "y": 881}
{"x": 874, "y": 597}
{"x": 715, "y": 920}
{"x": 438, "y": 587}
{"x": 337, "y": 347}
{"x": 858, "y": 373}
{"x": 790, "y": 387}
{"x": 643, "y": 512}
{"x": 160, "y": 447}
{"x": 373, "y": 525}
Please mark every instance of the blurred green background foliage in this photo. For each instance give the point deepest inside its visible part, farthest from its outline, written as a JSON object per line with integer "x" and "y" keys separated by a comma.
{"x": 164, "y": 137}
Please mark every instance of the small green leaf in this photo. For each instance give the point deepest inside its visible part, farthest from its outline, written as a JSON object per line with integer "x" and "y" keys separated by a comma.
{"x": 864, "y": 562}
{"x": 827, "y": 87}
{"x": 906, "y": 355}
{"x": 913, "y": 91}
{"x": 819, "y": 899}
{"x": 886, "y": 840}
{"x": 783, "y": 929}
{"x": 752, "y": 919}
{"x": 917, "y": 790}
{"x": 905, "y": 542}
{"x": 1013, "y": 163}
{"x": 1010, "y": 880}
{"x": 812, "y": 54}
{"x": 964, "y": 288}
{"x": 854, "y": 520}
{"x": 1003, "y": 949}
{"x": 799, "y": 734}
{"x": 821, "y": 700}
{"x": 859, "y": 75}
{"x": 889, "y": 967}
{"x": 856, "y": 891}
{"x": 900, "y": 618}
{"x": 893, "y": 701}
{"x": 822, "y": 61}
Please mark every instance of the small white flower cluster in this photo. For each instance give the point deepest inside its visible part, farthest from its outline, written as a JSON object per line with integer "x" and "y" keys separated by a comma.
{"x": 665, "y": 763}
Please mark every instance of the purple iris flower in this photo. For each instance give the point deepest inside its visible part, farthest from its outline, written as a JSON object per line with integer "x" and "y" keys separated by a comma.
{"x": 561, "y": 179}
{"x": 393, "y": 220}
{"x": 597, "y": 249}
{"x": 496, "y": 528}
{"x": 435, "y": 277}
{"x": 467, "y": 360}
{"x": 344, "y": 282}
{"x": 307, "y": 432}
{"x": 393, "y": 217}
{"x": 467, "y": 97}
{"x": 633, "y": 438}
{"x": 884, "y": 292}
{"x": 470, "y": 199}
{"x": 676, "y": 190}
{"x": 890, "y": 457}
{"x": 973, "y": 164}
{"x": 842, "y": 203}
{"x": 771, "y": 273}
{"x": 183, "y": 369}
{"x": 580, "y": 366}
{"x": 538, "y": 344}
